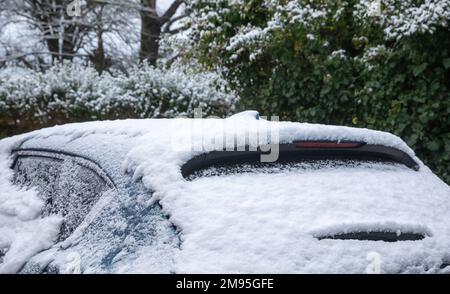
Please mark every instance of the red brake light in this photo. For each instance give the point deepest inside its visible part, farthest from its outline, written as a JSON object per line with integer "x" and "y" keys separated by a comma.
{"x": 318, "y": 144}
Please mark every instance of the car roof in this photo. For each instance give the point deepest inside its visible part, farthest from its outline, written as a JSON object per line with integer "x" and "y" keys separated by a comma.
{"x": 136, "y": 145}
{"x": 123, "y": 135}
{"x": 112, "y": 143}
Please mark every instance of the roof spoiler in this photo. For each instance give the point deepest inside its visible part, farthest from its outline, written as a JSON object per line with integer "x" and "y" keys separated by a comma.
{"x": 303, "y": 151}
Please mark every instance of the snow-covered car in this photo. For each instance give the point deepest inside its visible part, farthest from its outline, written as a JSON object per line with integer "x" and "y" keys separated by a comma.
{"x": 236, "y": 195}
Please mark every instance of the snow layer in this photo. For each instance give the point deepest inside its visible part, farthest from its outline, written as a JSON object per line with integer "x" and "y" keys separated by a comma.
{"x": 260, "y": 222}
{"x": 267, "y": 222}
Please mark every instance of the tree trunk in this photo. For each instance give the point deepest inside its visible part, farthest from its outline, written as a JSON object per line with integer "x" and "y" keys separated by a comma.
{"x": 100, "y": 54}
{"x": 57, "y": 30}
{"x": 150, "y": 32}
{"x": 66, "y": 52}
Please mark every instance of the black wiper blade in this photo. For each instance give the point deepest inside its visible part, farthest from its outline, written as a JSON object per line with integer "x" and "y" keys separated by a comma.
{"x": 375, "y": 236}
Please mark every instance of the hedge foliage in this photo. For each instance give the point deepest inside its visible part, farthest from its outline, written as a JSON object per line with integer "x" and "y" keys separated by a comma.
{"x": 338, "y": 62}
{"x": 71, "y": 93}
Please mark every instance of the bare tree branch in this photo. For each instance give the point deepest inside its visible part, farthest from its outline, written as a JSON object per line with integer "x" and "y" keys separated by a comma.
{"x": 22, "y": 55}
{"x": 170, "y": 12}
{"x": 172, "y": 21}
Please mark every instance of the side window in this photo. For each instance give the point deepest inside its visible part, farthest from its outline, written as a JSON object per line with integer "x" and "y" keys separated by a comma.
{"x": 67, "y": 184}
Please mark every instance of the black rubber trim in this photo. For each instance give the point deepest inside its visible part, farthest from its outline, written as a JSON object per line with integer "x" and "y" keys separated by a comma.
{"x": 375, "y": 236}
{"x": 292, "y": 153}
{"x": 444, "y": 265}
{"x": 49, "y": 153}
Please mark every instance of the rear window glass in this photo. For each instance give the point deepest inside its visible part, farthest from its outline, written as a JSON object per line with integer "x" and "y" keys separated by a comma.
{"x": 298, "y": 155}
{"x": 288, "y": 167}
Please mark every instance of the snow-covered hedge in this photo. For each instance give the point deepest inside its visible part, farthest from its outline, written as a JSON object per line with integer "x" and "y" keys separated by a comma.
{"x": 249, "y": 25}
{"x": 71, "y": 92}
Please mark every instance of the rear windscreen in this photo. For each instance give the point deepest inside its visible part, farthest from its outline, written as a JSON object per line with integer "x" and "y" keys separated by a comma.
{"x": 306, "y": 156}
{"x": 288, "y": 167}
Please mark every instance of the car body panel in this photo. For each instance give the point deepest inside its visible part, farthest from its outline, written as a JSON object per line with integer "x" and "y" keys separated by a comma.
{"x": 154, "y": 220}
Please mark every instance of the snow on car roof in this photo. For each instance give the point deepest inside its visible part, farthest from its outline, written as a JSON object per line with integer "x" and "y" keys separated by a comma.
{"x": 260, "y": 223}
{"x": 171, "y": 142}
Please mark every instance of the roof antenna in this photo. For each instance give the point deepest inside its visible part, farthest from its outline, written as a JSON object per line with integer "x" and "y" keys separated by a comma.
{"x": 248, "y": 114}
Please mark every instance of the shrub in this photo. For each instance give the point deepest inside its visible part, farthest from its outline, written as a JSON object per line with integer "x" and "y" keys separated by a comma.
{"x": 71, "y": 93}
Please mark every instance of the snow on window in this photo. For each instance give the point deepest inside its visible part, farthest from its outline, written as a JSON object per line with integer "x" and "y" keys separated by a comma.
{"x": 67, "y": 188}
{"x": 23, "y": 233}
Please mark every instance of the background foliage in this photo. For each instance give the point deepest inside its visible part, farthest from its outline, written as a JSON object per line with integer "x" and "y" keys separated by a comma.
{"x": 73, "y": 93}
